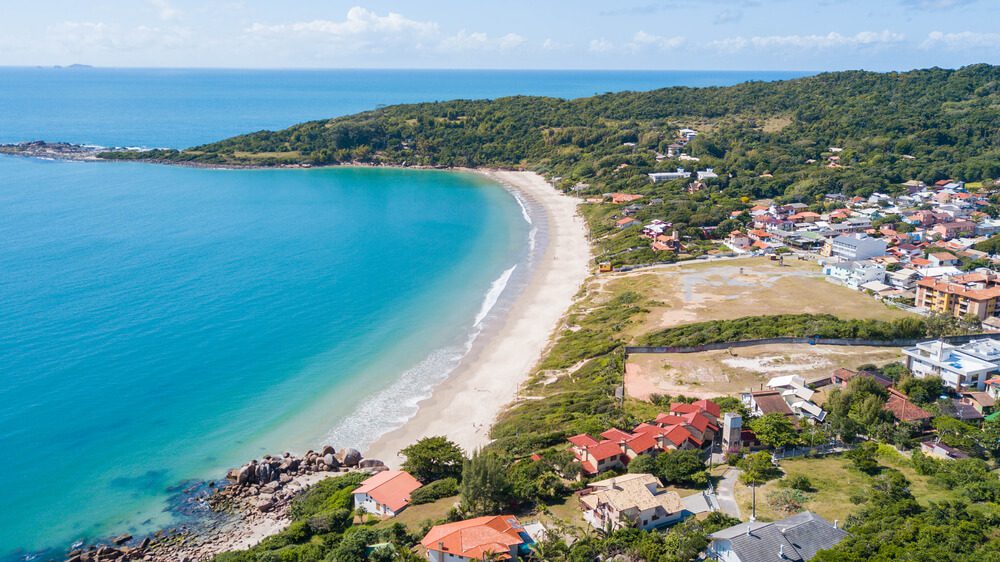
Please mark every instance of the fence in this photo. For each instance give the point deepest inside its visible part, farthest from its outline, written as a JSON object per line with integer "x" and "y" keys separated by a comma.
{"x": 801, "y": 341}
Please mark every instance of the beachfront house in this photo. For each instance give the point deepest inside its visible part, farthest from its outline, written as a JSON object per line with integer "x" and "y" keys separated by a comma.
{"x": 386, "y": 493}
{"x": 630, "y": 501}
{"x": 496, "y": 537}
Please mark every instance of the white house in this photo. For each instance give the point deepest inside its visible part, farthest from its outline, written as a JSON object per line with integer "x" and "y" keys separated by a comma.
{"x": 796, "y": 538}
{"x": 631, "y": 500}
{"x": 857, "y": 247}
{"x": 657, "y": 177}
{"x": 798, "y": 396}
{"x": 385, "y": 494}
{"x": 707, "y": 174}
{"x": 963, "y": 367}
{"x": 855, "y": 273}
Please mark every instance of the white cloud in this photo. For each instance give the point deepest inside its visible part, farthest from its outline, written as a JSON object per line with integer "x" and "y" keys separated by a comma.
{"x": 366, "y": 30}
{"x": 601, "y": 45}
{"x": 828, "y": 41}
{"x": 730, "y": 44}
{"x": 511, "y": 41}
{"x": 961, "y": 40}
{"x": 165, "y": 10}
{"x": 359, "y": 23}
{"x": 479, "y": 41}
{"x": 642, "y": 39}
{"x": 552, "y": 45}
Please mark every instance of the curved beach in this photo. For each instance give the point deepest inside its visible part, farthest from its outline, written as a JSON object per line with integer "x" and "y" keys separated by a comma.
{"x": 466, "y": 405}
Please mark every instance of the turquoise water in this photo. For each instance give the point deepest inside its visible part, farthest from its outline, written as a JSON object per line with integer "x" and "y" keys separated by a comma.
{"x": 160, "y": 324}
{"x": 165, "y": 323}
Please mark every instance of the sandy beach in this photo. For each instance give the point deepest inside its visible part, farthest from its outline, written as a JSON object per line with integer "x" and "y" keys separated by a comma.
{"x": 466, "y": 405}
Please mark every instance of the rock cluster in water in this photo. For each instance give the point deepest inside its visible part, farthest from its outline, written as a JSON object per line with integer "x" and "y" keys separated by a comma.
{"x": 258, "y": 493}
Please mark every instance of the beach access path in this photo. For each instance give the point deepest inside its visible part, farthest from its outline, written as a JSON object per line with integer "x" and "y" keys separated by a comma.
{"x": 466, "y": 405}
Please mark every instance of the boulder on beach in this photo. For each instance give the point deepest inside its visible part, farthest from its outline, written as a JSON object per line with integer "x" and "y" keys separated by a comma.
{"x": 329, "y": 450}
{"x": 371, "y": 463}
{"x": 349, "y": 457}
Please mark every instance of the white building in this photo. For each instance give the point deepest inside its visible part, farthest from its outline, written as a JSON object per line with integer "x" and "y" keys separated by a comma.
{"x": 798, "y": 396}
{"x": 963, "y": 367}
{"x": 385, "y": 494}
{"x": 855, "y": 273}
{"x": 707, "y": 174}
{"x": 857, "y": 247}
{"x": 631, "y": 500}
{"x": 657, "y": 177}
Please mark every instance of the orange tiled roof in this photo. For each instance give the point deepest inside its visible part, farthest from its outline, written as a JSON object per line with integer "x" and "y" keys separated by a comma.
{"x": 391, "y": 488}
{"x": 904, "y": 410}
{"x": 475, "y": 538}
{"x": 583, "y": 440}
{"x": 955, "y": 287}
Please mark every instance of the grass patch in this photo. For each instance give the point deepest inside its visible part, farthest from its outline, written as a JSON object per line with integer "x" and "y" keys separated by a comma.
{"x": 415, "y": 516}
{"x": 836, "y": 482}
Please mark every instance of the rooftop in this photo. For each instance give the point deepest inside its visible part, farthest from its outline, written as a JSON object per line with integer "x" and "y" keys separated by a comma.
{"x": 632, "y": 491}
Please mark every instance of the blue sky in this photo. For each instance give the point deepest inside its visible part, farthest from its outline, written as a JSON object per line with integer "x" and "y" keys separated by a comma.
{"x": 609, "y": 34}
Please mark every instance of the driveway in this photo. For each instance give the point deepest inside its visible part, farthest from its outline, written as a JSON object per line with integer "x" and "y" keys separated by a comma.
{"x": 726, "y": 493}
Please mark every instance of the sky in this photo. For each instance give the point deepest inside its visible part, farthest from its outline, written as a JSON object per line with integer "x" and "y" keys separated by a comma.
{"x": 519, "y": 34}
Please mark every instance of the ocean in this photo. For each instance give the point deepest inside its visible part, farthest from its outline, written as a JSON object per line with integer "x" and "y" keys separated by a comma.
{"x": 162, "y": 324}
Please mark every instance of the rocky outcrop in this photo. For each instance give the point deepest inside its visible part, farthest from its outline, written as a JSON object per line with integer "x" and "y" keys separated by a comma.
{"x": 256, "y": 495}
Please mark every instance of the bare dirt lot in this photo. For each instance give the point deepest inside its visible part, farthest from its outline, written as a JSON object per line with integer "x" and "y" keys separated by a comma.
{"x": 715, "y": 373}
{"x": 696, "y": 292}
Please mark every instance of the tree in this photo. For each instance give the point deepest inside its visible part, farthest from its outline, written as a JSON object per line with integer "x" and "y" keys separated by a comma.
{"x": 644, "y": 464}
{"x": 924, "y": 390}
{"x": 681, "y": 467}
{"x": 774, "y": 430}
{"x": 486, "y": 487}
{"x": 433, "y": 458}
{"x": 757, "y": 468}
{"x": 989, "y": 437}
{"x": 955, "y": 433}
{"x": 865, "y": 457}
{"x": 867, "y": 411}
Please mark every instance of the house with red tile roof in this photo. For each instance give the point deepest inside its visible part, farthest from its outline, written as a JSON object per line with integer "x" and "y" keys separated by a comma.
{"x": 687, "y": 426}
{"x": 900, "y": 406}
{"x": 386, "y": 493}
{"x": 497, "y": 537}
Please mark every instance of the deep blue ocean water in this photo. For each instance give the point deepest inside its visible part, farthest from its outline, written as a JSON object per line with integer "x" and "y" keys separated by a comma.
{"x": 159, "y": 324}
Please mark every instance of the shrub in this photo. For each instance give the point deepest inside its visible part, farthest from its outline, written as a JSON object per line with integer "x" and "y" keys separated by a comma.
{"x": 800, "y": 482}
{"x": 434, "y": 491}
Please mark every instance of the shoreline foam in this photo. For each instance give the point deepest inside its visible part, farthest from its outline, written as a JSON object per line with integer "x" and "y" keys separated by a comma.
{"x": 490, "y": 377}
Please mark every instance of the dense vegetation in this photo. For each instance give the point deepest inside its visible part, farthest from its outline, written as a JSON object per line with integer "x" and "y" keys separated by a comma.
{"x": 785, "y": 325}
{"x": 945, "y": 119}
{"x": 891, "y": 525}
{"x": 763, "y": 139}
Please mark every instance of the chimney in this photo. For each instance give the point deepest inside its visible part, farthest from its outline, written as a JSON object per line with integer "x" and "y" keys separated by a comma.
{"x": 441, "y": 546}
{"x": 781, "y": 551}
{"x": 748, "y": 530}
{"x": 621, "y": 445}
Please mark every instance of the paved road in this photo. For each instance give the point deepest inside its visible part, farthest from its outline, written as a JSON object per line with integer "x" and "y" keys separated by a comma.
{"x": 726, "y": 494}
